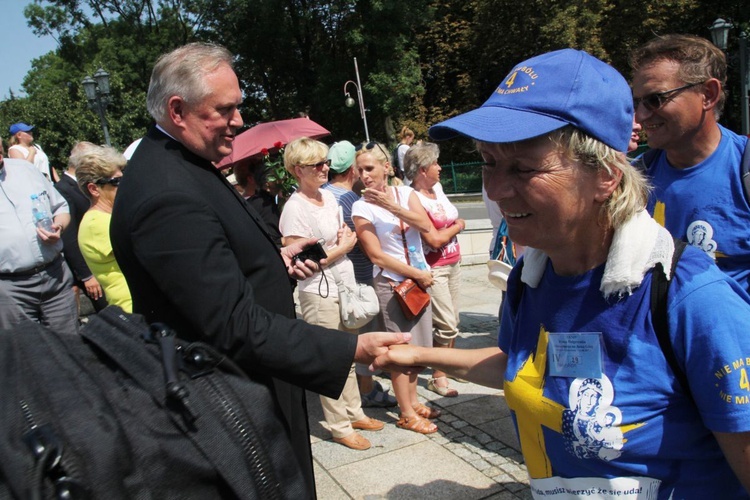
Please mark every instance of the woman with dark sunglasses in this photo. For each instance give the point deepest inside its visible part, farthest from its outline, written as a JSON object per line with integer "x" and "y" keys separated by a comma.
{"x": 98, "y": 173}
{"x": 380, "y": 216}
{"x": 312, "y": 212}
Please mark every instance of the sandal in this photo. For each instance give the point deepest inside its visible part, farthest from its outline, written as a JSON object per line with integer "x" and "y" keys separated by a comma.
{"x": 425, "y": 411}
{"x": 416, "y": 424}
{"x": 444, "y": 390}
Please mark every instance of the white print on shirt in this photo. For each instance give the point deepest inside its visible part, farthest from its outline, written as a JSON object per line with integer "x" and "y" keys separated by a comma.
{"x": 700, "y": 234}
{"x": 591, "y": 424}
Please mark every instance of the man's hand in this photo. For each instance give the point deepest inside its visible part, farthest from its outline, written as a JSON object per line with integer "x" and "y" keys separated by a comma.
{"x": 372, "y": 345}
{"x": 93, "y": 288}
{"x": 298, "y": 269}
{"x": 50, "y": 238}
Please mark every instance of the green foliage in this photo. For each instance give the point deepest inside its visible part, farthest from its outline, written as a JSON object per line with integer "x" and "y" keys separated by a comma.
{"x": 420, "y": 62}
{"x": 278, "y": 177}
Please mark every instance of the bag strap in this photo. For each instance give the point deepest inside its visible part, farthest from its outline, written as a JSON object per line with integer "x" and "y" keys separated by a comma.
{"x": 745, "y": 170}
{"x": 336, "y": 276}
{"x": 659, "y": 290}
{"x": 401, "y": 223}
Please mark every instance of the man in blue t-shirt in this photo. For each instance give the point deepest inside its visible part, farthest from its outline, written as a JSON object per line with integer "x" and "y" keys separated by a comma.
{"x": 678, "y": 90}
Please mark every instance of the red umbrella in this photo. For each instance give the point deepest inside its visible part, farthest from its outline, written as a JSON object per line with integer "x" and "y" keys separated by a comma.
{"x": 265, "y": 135}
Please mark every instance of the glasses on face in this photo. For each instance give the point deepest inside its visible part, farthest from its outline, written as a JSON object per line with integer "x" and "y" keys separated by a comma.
{"x": 370, "y": 145}
{"x": 318, "y": 165}
{"x": 654, "y": 101}
{"x": 112, "y": 181}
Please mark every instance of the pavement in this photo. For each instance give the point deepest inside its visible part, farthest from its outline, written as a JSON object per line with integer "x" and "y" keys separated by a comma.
{"x": 475, "y": 453}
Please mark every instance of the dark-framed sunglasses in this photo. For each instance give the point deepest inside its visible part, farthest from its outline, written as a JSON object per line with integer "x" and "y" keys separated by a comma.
{"x": 654, "y": 101}
{"x": 318, "y": 165}
{"x": 370, "y": 145}
{"x": 112, "y": 181}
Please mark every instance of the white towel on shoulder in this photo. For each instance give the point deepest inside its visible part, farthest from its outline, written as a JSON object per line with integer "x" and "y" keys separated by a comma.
{"x": 637, "y": 246}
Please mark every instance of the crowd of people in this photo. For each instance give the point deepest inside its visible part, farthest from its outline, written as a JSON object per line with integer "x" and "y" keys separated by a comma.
{"x": 607, "y": 386}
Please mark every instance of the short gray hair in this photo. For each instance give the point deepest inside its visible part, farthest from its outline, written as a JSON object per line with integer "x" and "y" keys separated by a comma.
{"x": 182, "y": 73}
{"x": 420, "y": 156}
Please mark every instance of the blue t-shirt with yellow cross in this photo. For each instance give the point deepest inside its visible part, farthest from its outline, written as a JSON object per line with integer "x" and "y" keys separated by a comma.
{"x": 597, "y": 408}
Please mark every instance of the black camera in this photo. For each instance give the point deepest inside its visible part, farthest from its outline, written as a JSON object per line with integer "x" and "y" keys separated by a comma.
{"x": 313, "y": 252}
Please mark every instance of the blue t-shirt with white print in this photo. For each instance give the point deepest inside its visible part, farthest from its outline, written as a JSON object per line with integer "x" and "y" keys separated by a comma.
{"x": 705, "y": 205}
{"x": 630, "y": 432}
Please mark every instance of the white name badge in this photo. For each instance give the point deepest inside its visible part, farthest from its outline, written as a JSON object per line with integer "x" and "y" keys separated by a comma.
{"x": 577, "y": 355}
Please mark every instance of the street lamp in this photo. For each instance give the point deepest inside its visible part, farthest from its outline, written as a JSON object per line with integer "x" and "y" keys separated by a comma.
{"x": 719, "y": 35}
{"x": 97, "y": 94}
{"x": 349, "y": 101}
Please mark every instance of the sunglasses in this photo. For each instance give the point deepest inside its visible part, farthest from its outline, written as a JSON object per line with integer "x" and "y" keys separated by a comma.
{"x": 654, "y": 101}
{"x": 318, "y": 165}
{"x": 112, "y": 181}
{"x": 370, "y": 145}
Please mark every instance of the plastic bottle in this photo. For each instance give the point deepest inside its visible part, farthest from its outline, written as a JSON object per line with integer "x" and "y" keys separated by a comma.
{"x": 40, "y": 213}
{"x": 416, "y": 258}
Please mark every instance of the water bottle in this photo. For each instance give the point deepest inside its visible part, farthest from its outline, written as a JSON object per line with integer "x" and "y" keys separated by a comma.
{"x": 417, "y": 259}
{"x": 41, "y": 216}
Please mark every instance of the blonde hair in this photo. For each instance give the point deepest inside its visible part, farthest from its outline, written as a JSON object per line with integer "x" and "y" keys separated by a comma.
{"x": 631, "y": 194}
{"x": 303, "y": 151}
{"x": 405, "y": 132}
{"x": 95, "y": 163}
{"x": 378, "y": 151}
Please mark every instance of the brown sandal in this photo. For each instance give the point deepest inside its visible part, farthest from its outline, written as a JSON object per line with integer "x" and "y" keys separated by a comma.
{"x": 416, "y": 424}
{"x": 425, "y": 411}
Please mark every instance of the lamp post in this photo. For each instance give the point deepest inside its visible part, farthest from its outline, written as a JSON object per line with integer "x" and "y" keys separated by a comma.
{"x": 97, "y": 94}
{"x": 719, "y": 35}
{"x": 349, "y": 101}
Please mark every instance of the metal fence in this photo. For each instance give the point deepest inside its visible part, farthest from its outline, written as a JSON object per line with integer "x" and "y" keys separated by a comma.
{"x": 461, "y": 177}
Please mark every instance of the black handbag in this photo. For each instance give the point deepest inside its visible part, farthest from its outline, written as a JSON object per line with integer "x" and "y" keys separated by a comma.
{"x": 125, "y": 410}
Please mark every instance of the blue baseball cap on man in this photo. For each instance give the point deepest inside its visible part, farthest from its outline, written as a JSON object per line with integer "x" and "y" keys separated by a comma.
{"x": 20, "y": 127}
{"x": 546, "y": 93}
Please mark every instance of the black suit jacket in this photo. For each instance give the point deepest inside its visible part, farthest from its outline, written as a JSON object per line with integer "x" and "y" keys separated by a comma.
{"x": 198, "y": 258}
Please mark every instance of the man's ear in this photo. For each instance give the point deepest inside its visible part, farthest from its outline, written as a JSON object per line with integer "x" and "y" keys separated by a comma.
{"x": 711, "y": 93}
{"x": 177, "y": 109}
{"x": 607, "y": 184}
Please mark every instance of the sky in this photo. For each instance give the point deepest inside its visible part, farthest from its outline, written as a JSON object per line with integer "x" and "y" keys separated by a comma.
{"x": 20, "y": 46}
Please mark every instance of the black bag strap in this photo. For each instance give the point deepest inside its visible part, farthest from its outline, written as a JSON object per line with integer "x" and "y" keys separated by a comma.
{"x": 745, "y": 171}
{"x": 659, "y": 290}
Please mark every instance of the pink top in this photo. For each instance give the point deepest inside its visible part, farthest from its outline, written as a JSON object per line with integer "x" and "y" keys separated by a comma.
{"x": 442, "y": 213}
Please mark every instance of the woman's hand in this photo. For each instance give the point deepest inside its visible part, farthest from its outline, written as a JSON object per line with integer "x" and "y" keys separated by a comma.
{"x": 381, "y": 199}
{"x": 347, "y": 239}
{"x": 93, "y": 288}
{"x": 424, "y": 279}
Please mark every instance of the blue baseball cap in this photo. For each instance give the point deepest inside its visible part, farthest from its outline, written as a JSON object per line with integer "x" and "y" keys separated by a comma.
{"x": 19, "y": 127}
{"x": 548, "y": 92}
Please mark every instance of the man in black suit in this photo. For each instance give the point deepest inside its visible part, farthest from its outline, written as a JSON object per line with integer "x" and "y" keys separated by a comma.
{"x": 79, "y": 204}
{"x": 198, "y": 258}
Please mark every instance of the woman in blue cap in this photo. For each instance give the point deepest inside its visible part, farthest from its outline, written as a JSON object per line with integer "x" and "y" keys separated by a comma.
{"x": 22, "y": 147}
{"x": 608, "y": 399}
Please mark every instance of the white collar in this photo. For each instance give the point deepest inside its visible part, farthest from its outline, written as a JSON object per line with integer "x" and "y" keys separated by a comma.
{"x": 637, "y": 246}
